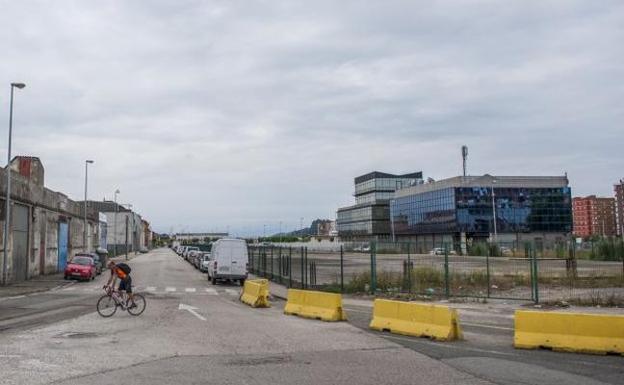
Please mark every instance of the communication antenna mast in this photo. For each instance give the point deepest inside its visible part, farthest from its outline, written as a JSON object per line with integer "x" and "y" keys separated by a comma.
{"x": 464, "y": 156}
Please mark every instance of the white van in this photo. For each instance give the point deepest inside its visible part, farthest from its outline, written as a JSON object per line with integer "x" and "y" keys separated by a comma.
{"x": 229, "y": 260}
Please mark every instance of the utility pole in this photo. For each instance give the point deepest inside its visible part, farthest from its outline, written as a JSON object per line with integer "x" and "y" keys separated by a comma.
{"x": 115, "y": 223}
{"x": 86, "y": 224}
{"x": 7, "y": 213}
{"x": 126, "y": 237}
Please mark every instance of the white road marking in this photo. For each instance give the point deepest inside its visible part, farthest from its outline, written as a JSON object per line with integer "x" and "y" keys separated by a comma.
{"x": 211, "y": 291}
{"x": 151, "y": 288}
{"x": 190, "y": 290}
{"x": 359, "y": 311}
{"x": 70, "y": 288}
{"x": 10, "y": 356}
{"x": 486, "y": 326}
{"x": 170, "y": 289}
{"x": 232, "y": 291}
{"x": 14, "y": 297}
{"x": 191, "y": 309}
{"x": 443, "y": 345}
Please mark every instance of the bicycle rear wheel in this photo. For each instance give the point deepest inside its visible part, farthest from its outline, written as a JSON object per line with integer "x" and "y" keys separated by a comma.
{"x": 140, "y": 303}
{"x": 106, "y": 306}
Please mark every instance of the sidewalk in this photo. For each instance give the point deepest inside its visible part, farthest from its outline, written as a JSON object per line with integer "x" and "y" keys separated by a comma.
{"x": 47, "y": 282}
{"x": 34, "y": 285}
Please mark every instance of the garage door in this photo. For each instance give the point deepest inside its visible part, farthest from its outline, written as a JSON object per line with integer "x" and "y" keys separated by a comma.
{"x": 20, "y": 242}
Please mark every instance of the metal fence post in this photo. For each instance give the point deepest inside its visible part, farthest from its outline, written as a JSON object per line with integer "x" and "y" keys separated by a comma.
{"x": 307, "y": 268}
{"x": 290, "y": 266}
{"x": 487, "y": 270}
{"x": 302, "y": 270}
{"x": 341, "y": 269}
{"x": 373, "y": 255}
{"x": 447, "y": 287}
{"x": 535, "y": 276}
{"x": 622, "y": 254}
{"x": 409, "y": 270}
{"x": 272, "y": 275}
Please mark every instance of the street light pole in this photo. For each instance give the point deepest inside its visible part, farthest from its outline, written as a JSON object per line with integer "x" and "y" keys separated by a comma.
{"x": 115, "y": 224}
{"x": 86, "y": 225}
{"x": 8, "y": 190}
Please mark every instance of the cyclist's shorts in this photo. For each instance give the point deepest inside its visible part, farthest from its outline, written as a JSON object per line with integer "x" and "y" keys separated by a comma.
{"x": 126, "y": 284}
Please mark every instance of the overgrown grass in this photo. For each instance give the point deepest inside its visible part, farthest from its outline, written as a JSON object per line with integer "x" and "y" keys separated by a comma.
{"x": 597, "y": 298}
{"x": 431, "y": 281}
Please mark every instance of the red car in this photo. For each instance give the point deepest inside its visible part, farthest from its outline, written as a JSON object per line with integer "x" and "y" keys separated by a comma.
{"x": 80, "y": 267}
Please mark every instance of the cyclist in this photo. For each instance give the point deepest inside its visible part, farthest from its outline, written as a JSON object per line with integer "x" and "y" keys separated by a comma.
{"x": 121, "y": 271}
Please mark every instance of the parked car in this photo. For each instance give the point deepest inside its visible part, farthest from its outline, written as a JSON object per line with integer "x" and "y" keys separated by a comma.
{"x": 205, "y": 262}
{"x": 193, "y": 256}
{"x": 80, "y": 267}
{"x": 440, "y": 251}
{"x": 143, "y": 249}
{"x": 229, "y": 261}
{"x": 505, "y": 251}
{"x": 99, "y": 263}
{"x": 188, "y": 250}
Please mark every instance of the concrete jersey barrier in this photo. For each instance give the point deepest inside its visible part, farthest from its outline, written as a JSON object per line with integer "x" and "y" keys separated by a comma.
{"x": 416, "y": 319}
{"x": 256, "y": 293}
{"x": 315, "y": 304}
{"x": 572, "y": 332}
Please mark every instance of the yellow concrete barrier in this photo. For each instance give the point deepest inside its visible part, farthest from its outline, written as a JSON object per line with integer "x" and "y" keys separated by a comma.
{"x": 416, "y": 319}
{"x": 315, "y": 304}
{"x": 573, "y": 332}
{"x": 256, "y": 293}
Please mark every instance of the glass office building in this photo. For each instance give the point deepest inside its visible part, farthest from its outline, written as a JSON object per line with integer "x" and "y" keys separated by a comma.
{"x": 369, "y": 218}
{"x": 464, "y": 206}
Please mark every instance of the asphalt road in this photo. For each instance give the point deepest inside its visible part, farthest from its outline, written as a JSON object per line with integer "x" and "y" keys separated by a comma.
{"x": 487, "y": 353}
{"x": 194, "y": 333}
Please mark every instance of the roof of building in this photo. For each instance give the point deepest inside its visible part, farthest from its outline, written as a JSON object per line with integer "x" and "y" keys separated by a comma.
{"x": 380, "y": 175}
{"x": 25, "y": 157}
{"x": 487, "y": 181}
{"x": 106, "y": 206}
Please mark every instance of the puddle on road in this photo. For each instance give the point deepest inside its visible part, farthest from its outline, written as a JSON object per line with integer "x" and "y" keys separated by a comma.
{"x": 272, "y": 360}
{"x": 78, "y": 335}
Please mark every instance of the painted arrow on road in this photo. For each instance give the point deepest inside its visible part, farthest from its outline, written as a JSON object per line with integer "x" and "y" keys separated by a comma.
{"x": 191, "y": 309}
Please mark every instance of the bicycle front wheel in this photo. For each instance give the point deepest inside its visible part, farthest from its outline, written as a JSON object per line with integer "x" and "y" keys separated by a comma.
{"x": 140, "y": 303}
{"x": 106, "y": 306}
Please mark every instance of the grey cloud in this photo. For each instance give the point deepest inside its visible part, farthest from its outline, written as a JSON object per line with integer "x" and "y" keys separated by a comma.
{"x": 214, "y": 113}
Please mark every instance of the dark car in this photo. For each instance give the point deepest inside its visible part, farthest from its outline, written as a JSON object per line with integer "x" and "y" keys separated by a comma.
{"x": 99, "y": 262}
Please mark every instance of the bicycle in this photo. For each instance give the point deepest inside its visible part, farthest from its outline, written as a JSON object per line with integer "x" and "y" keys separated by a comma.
{"x": 108, "y": 303}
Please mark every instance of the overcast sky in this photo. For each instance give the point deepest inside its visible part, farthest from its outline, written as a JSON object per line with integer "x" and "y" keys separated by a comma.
{"x": 209, "y": 114}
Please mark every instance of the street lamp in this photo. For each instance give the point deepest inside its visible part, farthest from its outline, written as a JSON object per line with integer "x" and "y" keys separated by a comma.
{"x": 115, "y": 224}
{"x": 86, "y": 225}
{"x": 8, "y": 191}
{"x": 494, "y": 211}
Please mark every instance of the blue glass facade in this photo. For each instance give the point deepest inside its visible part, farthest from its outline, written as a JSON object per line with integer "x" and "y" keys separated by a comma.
{"x": 469, "y": 210}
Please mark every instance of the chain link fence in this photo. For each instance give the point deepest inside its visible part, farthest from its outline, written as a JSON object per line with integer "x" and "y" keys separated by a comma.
{"x": 482, "y": 270}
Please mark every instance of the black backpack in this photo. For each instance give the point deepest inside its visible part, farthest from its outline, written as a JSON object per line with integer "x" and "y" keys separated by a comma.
{"x": 125, "y": 268}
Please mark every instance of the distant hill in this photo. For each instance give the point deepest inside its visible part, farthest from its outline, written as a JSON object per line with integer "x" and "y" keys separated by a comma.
{"x": 311, "y": 230}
